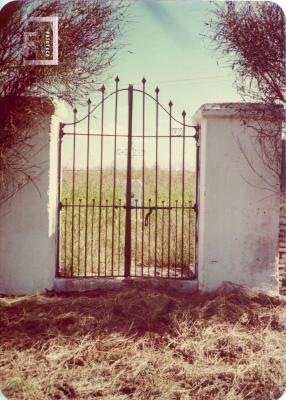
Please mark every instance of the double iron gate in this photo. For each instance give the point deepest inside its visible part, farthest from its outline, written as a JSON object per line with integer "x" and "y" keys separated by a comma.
{"x": 127, "y": 200}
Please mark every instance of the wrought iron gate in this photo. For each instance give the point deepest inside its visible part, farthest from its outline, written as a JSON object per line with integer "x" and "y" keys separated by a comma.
{"x": 132, "y": 217}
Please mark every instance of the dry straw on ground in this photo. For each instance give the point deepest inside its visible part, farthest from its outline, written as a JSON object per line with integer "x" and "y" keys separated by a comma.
{"x": 142, "y": 345}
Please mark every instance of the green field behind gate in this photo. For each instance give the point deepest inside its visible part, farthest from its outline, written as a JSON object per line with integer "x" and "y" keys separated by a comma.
{"x": 92, "y": 239}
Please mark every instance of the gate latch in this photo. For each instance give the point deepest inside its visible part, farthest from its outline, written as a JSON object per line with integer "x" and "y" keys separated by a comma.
{"x": 147, "y": 216}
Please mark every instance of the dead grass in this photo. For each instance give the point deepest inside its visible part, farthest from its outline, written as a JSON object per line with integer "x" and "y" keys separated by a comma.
{"x": 142, "y": 345}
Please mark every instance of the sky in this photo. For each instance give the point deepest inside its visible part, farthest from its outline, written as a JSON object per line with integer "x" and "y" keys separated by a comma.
{"x": 164, "y": 42}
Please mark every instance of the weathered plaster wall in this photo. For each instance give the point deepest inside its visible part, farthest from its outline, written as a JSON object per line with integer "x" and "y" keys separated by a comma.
{"x": 282, "y": 246}
{"x": 239, "y": 203}
{"x": 27, "y": 221}
{"x": 238, "y": 213}
{"x": 282, "y": 227}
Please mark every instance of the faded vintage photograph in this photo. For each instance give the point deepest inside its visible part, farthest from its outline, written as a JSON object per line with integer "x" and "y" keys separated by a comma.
{"x": 142, "y": 200}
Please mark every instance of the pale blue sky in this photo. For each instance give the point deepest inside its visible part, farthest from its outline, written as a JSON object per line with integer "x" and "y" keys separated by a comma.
{"x": 164, "y": 43}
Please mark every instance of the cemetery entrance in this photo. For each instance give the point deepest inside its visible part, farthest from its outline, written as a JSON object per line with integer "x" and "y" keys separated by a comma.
{"x": 128, "y": 183}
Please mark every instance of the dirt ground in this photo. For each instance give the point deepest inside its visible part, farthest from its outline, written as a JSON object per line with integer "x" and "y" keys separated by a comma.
{"x": 142, "y": 344}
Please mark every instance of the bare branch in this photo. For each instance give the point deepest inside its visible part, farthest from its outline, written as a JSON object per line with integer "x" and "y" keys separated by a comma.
{"x": 88, "y": 42}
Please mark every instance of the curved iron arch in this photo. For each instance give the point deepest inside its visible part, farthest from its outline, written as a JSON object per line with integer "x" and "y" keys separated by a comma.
{"x": 122, "y": 90}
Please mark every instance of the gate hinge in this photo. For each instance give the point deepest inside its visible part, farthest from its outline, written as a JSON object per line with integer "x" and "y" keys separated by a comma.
{"x": 197, "y": 134}
{"x": 196, "y": 209}
{"x": 60, "y": 205}
{"x": 61, "y": 132}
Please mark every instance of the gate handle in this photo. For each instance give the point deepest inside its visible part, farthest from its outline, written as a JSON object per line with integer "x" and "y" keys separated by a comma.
{"x": 147, "y": 216}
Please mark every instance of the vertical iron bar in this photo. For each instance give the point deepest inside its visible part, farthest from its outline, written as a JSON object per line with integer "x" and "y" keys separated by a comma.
{"x": 100, "y": 179}
{"x": 196, "y": 207}
{"x": 183, "y": 191}
{"x": 143, "y": 175}
{"x": 170, "y": 186}
{"x": 92, "y": 241}
{"x": 136, "y": 234}
{"x": 73, "y": 187}
{"x": 78, "y": 244}
{"x": 190, "y": 205}
{"x": 119, "y": 236}
{"x": 66, "y": 211}
{"x": 162, "y": 254}
{"x": 127, "y": 259}
{"x": 156, "y": 180}
{"x": 114, "y": 175}
{"x": 149, "y": 241}
{"x": 87, "y": 182}
{"x": 176, "y": 235}
{"x": 58, "y": 262}
{"x": 105, "y": 241}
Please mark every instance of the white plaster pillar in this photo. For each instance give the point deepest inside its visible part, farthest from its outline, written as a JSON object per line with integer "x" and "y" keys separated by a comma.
{"x": 28, "y": 220}
{"x": 238, "y": 199}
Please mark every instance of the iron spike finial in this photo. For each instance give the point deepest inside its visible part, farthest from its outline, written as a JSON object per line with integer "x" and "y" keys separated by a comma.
{"x": 75, "y": 110}
{"x": 157, "y": 90}
{"x": 117, "y": 79}
{"x": 88, "y": 101}
{"x": 143, "y": 81}
{"x": 102, "y": 89}
{"x": 170, "y": 103}
{"x": 184, "y": 113}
